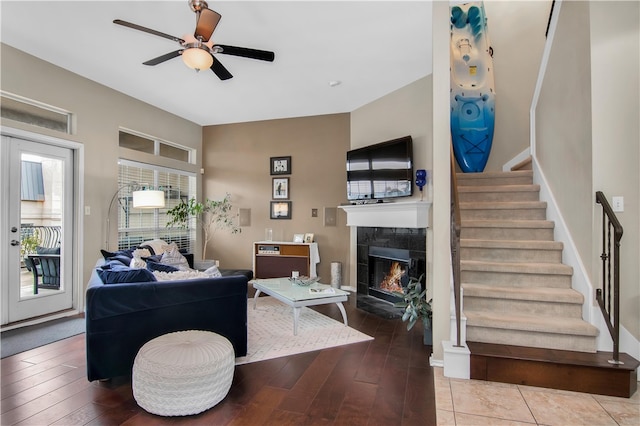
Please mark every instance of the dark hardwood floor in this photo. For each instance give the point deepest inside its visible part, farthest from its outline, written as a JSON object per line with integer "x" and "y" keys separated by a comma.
{"x": 385, "y": 381}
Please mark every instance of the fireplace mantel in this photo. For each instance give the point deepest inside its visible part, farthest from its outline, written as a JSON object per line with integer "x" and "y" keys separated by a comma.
{"x": 402, "y": 214}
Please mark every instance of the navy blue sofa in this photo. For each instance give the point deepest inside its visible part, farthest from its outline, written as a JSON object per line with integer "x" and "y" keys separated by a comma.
{"x": 120, "y": 318}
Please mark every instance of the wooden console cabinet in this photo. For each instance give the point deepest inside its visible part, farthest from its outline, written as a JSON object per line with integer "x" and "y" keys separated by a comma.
{"x": 274, "y": 259}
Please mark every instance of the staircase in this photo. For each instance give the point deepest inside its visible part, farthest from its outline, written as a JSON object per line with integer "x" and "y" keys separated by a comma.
{"x": 523, "y": 320}
{"x": 516, "y": 289}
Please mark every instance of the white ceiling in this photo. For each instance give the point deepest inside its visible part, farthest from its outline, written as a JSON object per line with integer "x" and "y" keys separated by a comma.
{"x": 372, "y": 47}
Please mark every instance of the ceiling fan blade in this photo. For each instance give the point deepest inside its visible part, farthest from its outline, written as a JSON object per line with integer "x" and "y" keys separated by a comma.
{"x": 220, "y": 70}
{"x": 165, "y": 57}
{"x": 207, "y": 22}
{"x": 147, "y": 30}
{"x": 245, "y": 52}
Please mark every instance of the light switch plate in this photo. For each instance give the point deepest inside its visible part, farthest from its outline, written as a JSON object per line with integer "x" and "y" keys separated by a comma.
{"x": 617, "y": 204}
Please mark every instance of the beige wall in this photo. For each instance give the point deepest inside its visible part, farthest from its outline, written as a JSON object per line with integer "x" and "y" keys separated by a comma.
{"x": 615, "y": 90}
{"x": 563, "y": 124}
{"x": 236, "y": 159}
{"x": 587, "y": 132}
{"x": 517, "y": 33}
{"x": 98, "y": 112}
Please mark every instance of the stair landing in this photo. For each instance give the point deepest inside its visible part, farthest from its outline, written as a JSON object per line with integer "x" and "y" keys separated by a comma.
{"x": 555, "y": 369}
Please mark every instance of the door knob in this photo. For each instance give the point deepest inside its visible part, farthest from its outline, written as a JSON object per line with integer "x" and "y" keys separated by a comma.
{"x": 15, "y": 242}
{"x": 14, "y": 229}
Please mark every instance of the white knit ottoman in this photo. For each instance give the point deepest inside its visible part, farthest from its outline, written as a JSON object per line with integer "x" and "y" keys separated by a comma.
{"x": 183, "y": 373}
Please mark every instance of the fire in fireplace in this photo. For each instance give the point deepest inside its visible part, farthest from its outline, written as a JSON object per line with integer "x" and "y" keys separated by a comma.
{"x": 388, "y": 269}
{"x": 392, "y": 281}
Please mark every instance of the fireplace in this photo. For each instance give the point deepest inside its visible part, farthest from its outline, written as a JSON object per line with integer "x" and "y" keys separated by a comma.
{"x": 387, "y": 257}
{"x": 388, "y": 272}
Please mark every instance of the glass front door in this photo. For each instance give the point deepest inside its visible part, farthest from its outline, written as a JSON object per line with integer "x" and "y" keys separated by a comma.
{"x": 39, "y": 219}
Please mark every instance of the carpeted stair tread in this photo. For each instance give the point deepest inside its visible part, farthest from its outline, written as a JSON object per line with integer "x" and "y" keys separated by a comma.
{"x": 524, "y": 224}
{"x": 508, "y": 205}
{"x": 495, "y": 178}
{"x": 531, "y": 323}
{"x": 513, "y": 267}
{"x": 512, "y": 244}
{"x": 545, "y": 294}
{"x": 498, "y": 188}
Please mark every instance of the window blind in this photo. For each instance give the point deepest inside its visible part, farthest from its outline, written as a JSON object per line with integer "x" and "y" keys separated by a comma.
{"x": 138, "y": 225}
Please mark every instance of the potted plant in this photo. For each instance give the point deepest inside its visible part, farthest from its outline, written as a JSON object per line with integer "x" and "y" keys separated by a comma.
{"x": 28, "y": 245}
{"x": 210, "y": 216}
{"x": 416, "y": 306}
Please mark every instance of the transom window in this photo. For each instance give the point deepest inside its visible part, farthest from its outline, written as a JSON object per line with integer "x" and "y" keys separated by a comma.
{"x": 34, "y": 113}
{"x": 150, "y": 145}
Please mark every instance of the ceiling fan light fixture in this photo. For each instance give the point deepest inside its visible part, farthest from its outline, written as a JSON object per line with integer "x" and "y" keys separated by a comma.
{"x": 197, "y": 58}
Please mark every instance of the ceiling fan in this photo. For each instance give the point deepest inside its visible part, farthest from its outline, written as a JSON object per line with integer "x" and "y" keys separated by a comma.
{"x": 198, "y": 51}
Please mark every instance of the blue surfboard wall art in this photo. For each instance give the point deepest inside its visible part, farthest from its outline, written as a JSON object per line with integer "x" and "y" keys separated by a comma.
{"x": 472, "y": 87}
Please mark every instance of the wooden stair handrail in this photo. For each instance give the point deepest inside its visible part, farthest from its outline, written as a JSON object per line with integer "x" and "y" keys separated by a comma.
{"x": 455, "y": 244}
{"x": 605, "y": 294}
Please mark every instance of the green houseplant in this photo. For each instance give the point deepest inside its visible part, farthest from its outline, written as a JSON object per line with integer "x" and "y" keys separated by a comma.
{"x": 416, "y": 306}
{"x": 210, "y": 216}
{"x": 28, "y": 245}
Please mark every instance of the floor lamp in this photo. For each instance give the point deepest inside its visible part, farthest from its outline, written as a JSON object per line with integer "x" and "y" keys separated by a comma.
{"x": 143, "y": 198}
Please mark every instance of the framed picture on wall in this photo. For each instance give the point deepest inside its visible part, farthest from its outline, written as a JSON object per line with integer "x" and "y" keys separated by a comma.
{"x": 280, "y": 209}
{"x": 281, "y": 165}
{"x": 280, "y": 188}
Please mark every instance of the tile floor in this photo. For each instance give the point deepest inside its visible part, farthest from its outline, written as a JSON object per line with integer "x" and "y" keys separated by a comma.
{"x": 475, "y": 402}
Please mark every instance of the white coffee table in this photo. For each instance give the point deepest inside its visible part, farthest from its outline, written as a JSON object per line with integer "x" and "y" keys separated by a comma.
{"x": 299, "y": 296}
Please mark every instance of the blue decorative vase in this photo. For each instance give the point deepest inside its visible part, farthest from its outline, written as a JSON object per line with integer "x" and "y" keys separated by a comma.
{"x": 421, "y": 180}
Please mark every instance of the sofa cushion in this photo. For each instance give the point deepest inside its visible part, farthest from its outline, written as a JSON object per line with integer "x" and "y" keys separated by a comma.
{"x": 47, "y": 250}
{"x": 157, "y": 266}
{"x": 122, "y": 276}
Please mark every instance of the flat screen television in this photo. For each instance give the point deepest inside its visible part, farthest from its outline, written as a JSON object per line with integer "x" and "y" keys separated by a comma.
{"x": 381, "y": 171}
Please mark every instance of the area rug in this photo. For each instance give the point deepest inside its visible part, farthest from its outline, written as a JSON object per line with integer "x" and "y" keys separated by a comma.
{"x": 271, "y": 331}
{"x": 34, "y": 336}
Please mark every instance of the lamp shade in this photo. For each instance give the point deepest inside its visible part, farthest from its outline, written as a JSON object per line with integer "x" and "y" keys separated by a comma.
{"x": 148, "y": 199}
{"x": 197, "y": 58}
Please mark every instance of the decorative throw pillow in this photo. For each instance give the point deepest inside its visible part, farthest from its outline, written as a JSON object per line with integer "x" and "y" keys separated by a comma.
{"x": 136, "y": 260}
{"x": 213, "y": 272}
{"x": 127, "y": 252}
{"x": 174, "y": 258}
{"x": 158, "y": 246}
{"x": 114, "y": 265}
{"x": 157, "y": 266}
{"x": 125, "y": 276}
{"x": 120, "y": 258}
{"x": 153, "y": 258}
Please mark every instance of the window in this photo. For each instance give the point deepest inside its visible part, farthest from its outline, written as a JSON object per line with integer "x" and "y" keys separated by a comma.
{"x": 35, "y": 113}
{"x": 138, "y": 225}
{"x": 147, "y": 144}
{"x": 32, "y": 183}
